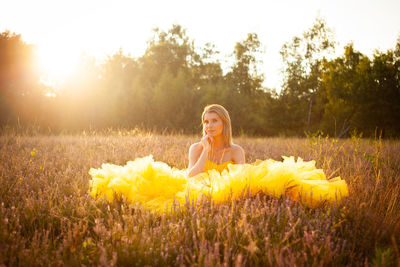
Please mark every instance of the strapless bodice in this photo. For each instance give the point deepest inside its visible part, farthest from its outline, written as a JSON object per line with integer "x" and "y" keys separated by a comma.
{"x": 214, "y": 166}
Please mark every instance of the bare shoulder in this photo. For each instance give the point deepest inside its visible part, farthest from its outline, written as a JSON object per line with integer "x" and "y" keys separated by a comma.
{"x": 237, "y": 149}
{"x": 238, "y": 154}
{"x": 195, "y": 149}
{"x": 194, "y": 153}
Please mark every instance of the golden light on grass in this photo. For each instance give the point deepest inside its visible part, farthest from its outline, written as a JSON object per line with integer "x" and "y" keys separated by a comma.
{"x": 47, "y": 214}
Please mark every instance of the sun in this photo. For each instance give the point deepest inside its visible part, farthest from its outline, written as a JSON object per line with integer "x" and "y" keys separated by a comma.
{"x": 56, "y": 63}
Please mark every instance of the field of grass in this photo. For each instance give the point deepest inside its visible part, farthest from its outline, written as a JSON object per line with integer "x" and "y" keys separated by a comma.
{"x": 47, "y": 216}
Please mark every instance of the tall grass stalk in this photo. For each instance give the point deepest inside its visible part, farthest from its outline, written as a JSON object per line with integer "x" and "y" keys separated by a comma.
{"x": 48, "y": 218}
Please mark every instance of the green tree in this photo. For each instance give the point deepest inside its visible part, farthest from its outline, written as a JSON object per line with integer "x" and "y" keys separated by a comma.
{"x": 20, "y": 90}
{"x": 362, "y": 94}
{"x": 244, "y": 77}
{"x": 342, "y": 88}
{"x": 244, "y": 86}
{"x": 174, "y": 102}
{"x": 302, "y": 59}
{"x": 117, "y": 76}
{"x": 170, "y": 70}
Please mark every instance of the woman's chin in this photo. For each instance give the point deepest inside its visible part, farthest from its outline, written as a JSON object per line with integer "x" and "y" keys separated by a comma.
{"x": 213, "y": 134}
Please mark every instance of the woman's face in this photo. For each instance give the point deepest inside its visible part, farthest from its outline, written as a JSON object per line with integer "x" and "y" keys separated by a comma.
{"x": 213, "y": 124}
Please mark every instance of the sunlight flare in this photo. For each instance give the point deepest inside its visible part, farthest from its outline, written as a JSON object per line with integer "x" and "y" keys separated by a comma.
{"x": 56, "y": 63}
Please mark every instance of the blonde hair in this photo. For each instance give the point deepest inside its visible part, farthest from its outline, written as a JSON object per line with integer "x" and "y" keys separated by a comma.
{"x": 226, "y": 120}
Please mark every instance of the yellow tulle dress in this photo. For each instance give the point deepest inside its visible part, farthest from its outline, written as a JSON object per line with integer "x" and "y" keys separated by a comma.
{"x": 157, "y": 186}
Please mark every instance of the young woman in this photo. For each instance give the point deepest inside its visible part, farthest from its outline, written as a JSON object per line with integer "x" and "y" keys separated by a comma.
{"x": 216, "y": 149}
{"x": 217, "y": 169}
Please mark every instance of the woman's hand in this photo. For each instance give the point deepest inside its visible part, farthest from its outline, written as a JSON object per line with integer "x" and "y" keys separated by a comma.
{"x": 206, "y": 142}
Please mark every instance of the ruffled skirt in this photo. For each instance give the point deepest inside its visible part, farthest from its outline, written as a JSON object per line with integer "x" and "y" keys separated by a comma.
{"x": 157, "y": 186}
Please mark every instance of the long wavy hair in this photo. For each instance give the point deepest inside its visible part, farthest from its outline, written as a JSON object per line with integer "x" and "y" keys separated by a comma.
{"x": 226, "y": 120}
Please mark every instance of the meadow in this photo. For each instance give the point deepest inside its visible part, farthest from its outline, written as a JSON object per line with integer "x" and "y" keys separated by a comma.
{"x": 47, "y": 216}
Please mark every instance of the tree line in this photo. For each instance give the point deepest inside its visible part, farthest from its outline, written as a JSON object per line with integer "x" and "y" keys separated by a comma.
{"x": 167, "y": 88}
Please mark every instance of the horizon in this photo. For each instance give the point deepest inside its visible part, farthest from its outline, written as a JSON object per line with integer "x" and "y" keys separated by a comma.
{"x": 99, "y": 37}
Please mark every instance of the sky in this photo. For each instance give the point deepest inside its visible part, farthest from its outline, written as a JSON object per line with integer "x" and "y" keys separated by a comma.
{"x": 64, "y": 29}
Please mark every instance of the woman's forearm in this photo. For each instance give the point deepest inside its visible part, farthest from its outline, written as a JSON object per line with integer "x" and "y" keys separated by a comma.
{"x": 198, "y": 167}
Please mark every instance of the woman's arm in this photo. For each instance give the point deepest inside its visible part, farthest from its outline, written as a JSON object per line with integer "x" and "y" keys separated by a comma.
{"x": 198, "y": 154}
{"x": 197, "y": 160}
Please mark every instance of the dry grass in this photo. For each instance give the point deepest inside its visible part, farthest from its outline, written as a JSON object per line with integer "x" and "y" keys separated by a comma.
{"x": 48, "y": 218}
